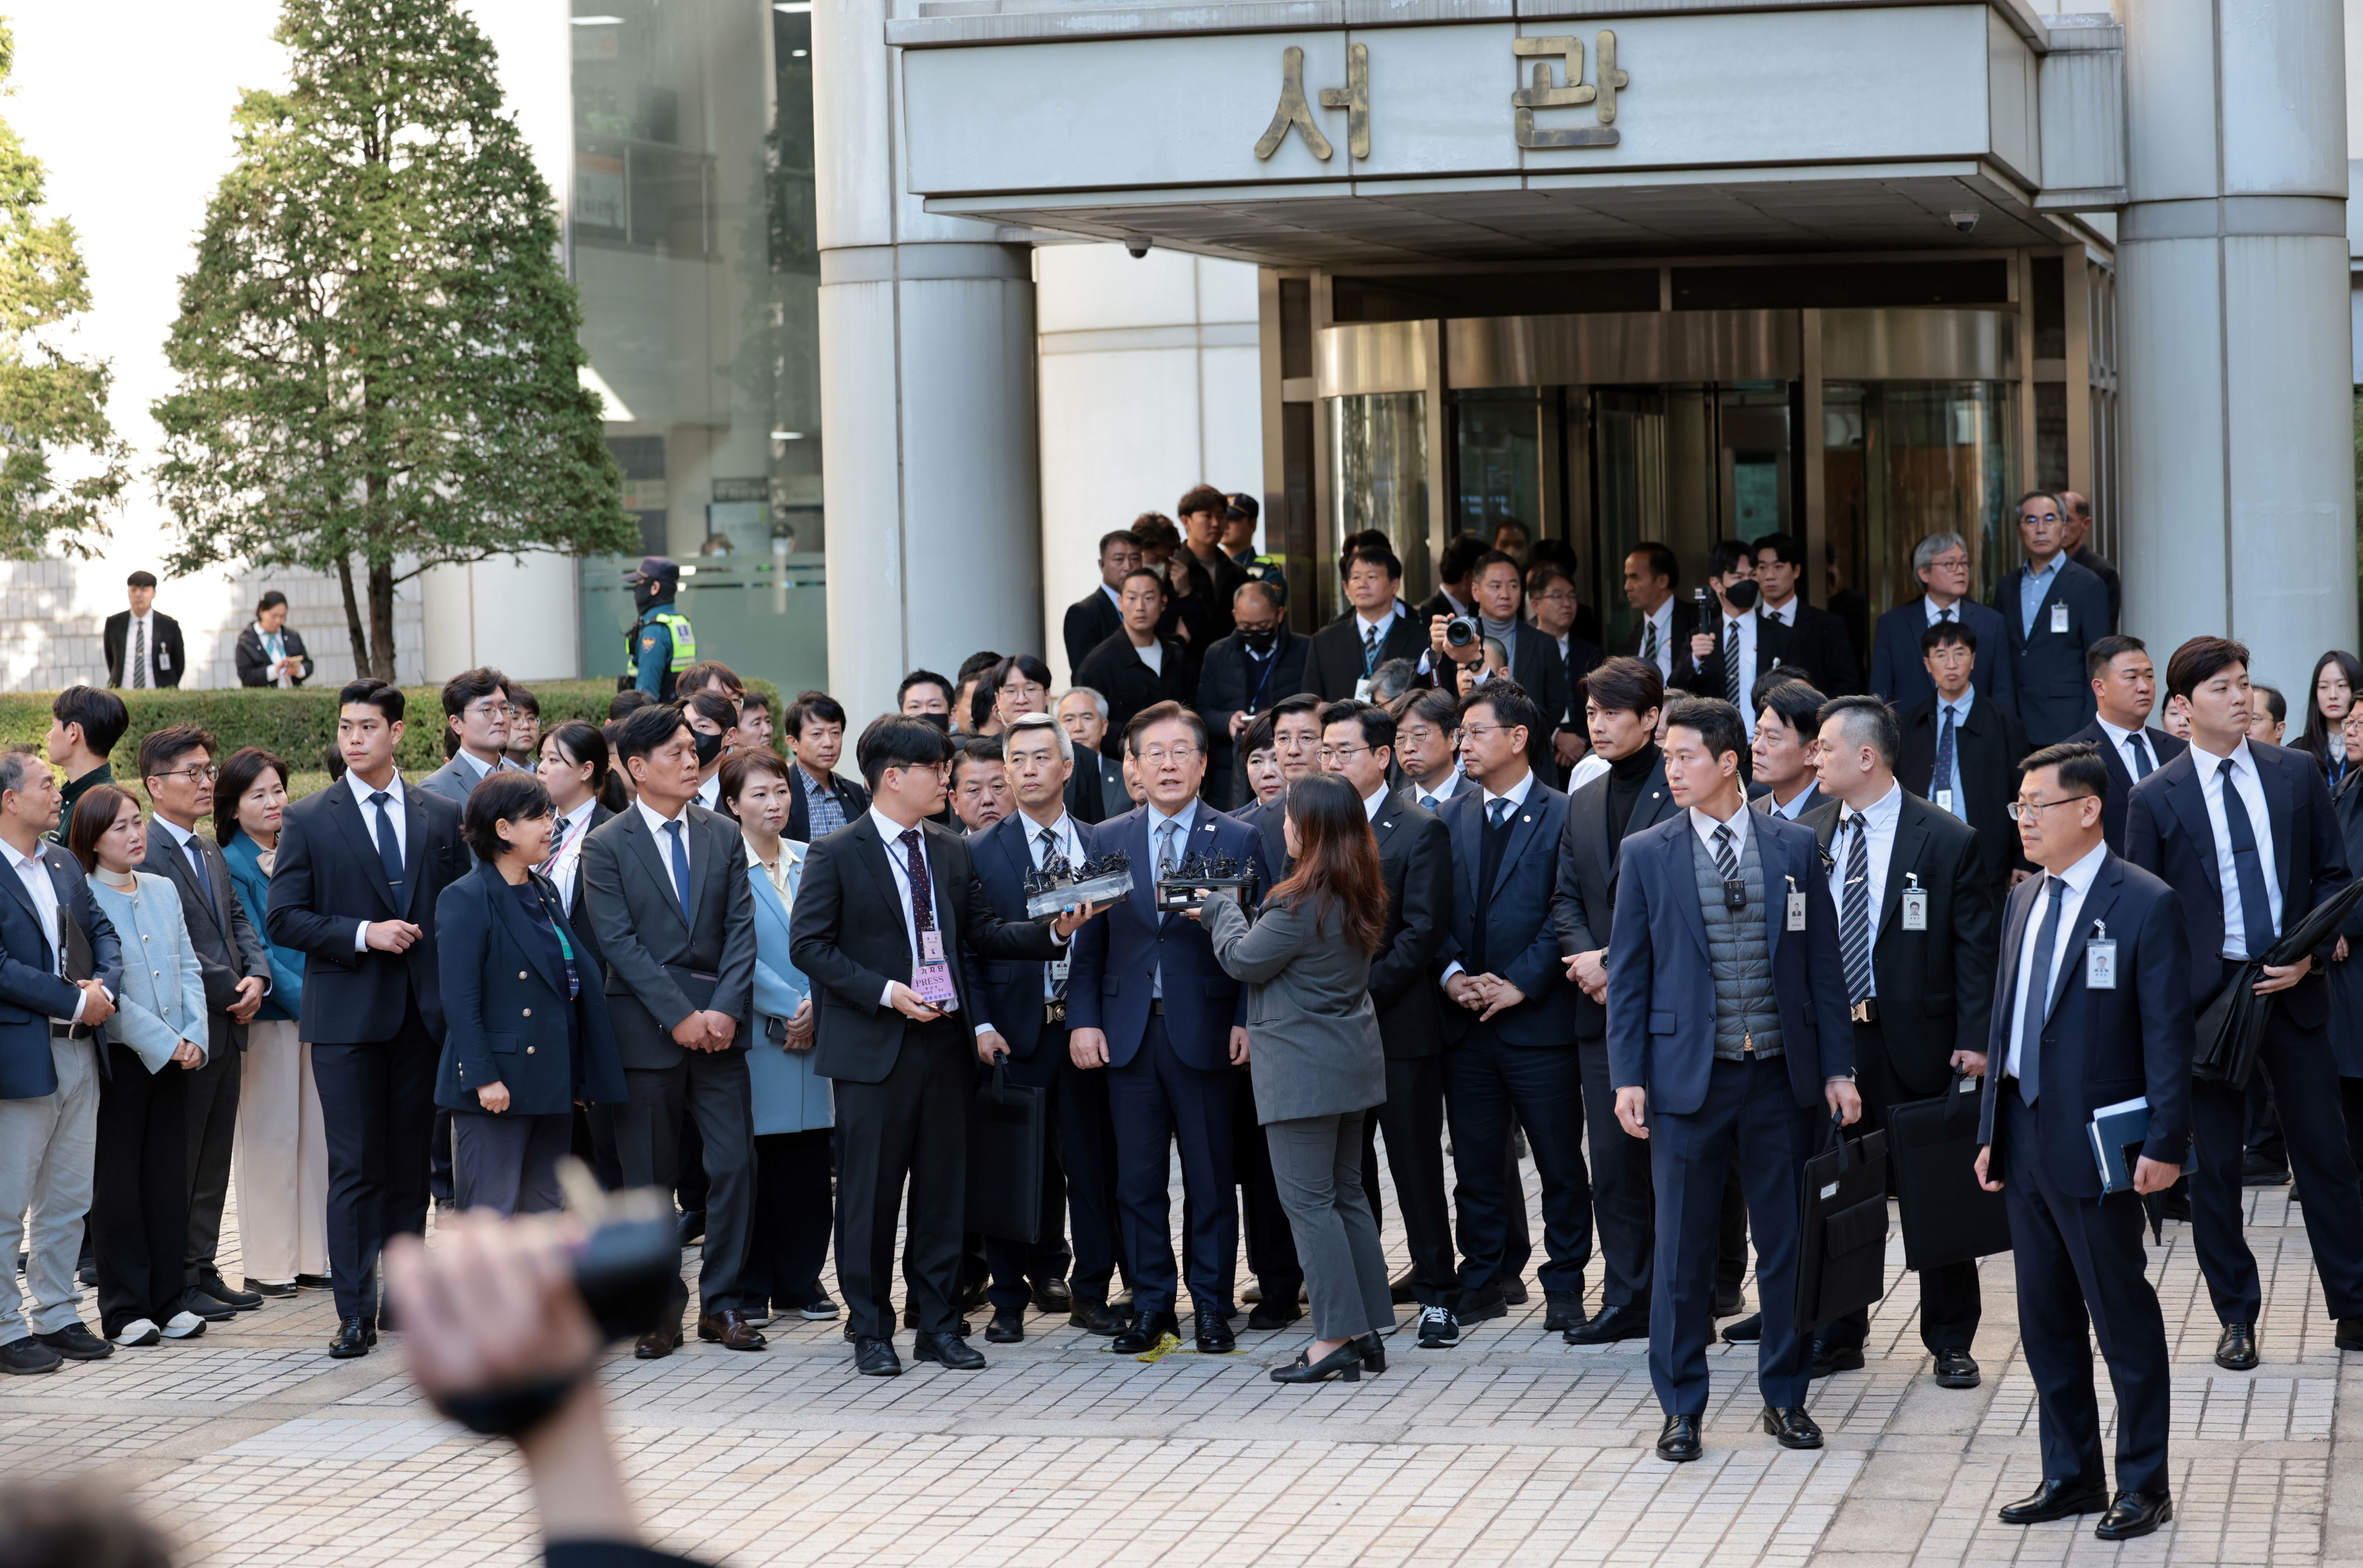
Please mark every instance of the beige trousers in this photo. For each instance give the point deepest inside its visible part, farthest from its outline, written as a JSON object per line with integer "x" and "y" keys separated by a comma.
{"x": 282, "y": 1158}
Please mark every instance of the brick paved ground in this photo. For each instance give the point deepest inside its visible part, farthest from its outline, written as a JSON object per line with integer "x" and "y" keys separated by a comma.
{"x": 1513, "y": 1449}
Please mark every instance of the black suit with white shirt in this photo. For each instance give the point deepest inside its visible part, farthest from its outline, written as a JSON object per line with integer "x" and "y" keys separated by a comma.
{"x": 1090, "y": 621}
{"x": 374, "y": 1018}
{"x": 1818, "y": 642}
{"x": 2147, "y": 749}
{"x": 1117, "y": 672}
{"x": 1342, "y": 654}
{"x": 167, "y": 661}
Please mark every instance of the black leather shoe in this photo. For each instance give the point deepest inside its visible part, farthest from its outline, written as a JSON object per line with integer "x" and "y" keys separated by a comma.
{"x": 1095, "y": 1317}
{"x": 876, "y": 1358}
{"x": 2236, "y": 1350}
{"x": 1625, "y": 1323}
{"x": 2055, "y": 1500}
{"x": 1215, "y": 1336}
{"x": 1007, "y": 1329}
{"x": 1053, "y": 1296}
{"x": 657, "y": 1343}
{"x": 1143, "y": 1332}
{"x": 1344, "y": 1363}
{"x": 1480, "y": 1305}
{"x": 947, "y": 1350}
{"x": 1791, "y": 1428}
{"x": 1399, "y": 1289}
{"x": 1956, "y": 1369}
{"x": 2135, "y": 1514}
{"x": 1745, "y": 1331}
{"x": 1513, "y": 1291}
{"x": 76, "y": 1342}
{"x": 1729, "y": 1306}
{"x": 268, "y": 1288}
{"x": 311, "y": 1282}
{"x": 2350, "y": 1334}
{"x": 1829, "y": 1358}
{"x": 2175, "y": 1206}
{"x": 1677, "y": 1440}
{"x": 205, "y": 1307}
{"x": 1271, "y": 1314}
{"x": 221, "y": 1289}
{"x": 2255, "y": 1170}
{"x": 1562, "y": 1311}
{"x": 972, "y": 1296}
{"x": 1374, "y": 1353}
{"x": 354, "y": 1337}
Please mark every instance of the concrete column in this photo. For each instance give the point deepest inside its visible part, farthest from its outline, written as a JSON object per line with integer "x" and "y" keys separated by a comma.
{"x": 2238, "y": 476}
{"x": 926, "y": 365}
{"x": 1149, "y": 386}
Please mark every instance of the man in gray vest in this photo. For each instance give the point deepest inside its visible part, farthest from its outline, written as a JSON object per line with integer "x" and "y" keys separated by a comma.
{"x": 1728, "y": 1029}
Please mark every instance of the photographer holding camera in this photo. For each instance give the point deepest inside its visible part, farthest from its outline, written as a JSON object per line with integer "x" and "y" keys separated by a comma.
{"x": 1734, "y": 646}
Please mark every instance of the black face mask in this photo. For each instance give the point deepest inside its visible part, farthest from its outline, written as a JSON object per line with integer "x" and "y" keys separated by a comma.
{"x": 941, "y": 720}
{"x": 1742, "y": 594}
{"x": 1260, "y": 640}
{"x": 708, "y": 747}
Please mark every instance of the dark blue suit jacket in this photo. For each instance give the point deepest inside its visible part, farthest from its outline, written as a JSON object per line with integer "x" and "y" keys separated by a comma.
{"x": 1009, "y": 990}
{"x": 1521, "y": 942}
{"x": 2046, "y": 667}
{"x": 2167, "y": 834}
{"x": 1899, "y": 673}
{"x": 1117, "y": 955}
{"x": 2103, "y": 1047}
{"x": 1265, "y": 817}
{"x": 1661, "y": 987}
{"x": 31, "y": 990}
{"x": 505, "y": 998}
{"x": 2163, "y": 747}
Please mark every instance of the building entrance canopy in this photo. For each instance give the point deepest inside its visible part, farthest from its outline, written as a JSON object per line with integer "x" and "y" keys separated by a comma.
{"x": 1332, "y": 133}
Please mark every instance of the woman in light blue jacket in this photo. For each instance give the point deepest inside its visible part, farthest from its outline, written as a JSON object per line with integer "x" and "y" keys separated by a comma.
{"x": 794, "y": 1111}
{"x": 140, "y": 1188}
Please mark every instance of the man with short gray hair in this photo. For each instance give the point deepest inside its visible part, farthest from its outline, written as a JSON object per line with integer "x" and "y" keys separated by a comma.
{"x": 1095, "y": 792}
{"x": 1942, "y": 565}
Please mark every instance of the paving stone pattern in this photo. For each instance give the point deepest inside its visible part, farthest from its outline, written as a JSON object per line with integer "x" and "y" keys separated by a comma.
{"x": 1515, "y": 1448}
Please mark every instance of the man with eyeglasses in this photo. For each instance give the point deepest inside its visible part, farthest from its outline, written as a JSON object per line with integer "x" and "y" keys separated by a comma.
{"x": 176, "y": 767}
{"x": 2053, "y": 611}
{"x": 1551, "y": 600}
{"x": 1428, "y": 747}
{"x": 1148, "y": 1005}
{"x": 2089, "y": 1010}
{"x": 476, "y": 717}
{"x": 1941, "y": 561}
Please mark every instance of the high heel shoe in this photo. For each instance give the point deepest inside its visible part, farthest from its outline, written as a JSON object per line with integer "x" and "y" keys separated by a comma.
{"x": 1374, "y": 1353}
{"x": 1344, "y": 1363}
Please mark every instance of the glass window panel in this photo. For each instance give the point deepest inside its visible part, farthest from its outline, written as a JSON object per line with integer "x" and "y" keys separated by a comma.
{"x": 1378, "y": 473}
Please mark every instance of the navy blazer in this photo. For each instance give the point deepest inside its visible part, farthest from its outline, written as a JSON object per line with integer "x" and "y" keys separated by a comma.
{"x": 2167, "y": 834}
{"x": 31, "y": 990}
{"x": 1661, "y": 984}
{"x": 2046, "y": 667}
{"x": 1265, "y": 817}
{"x": 1230, "y": 682}
{"x": 1117, "y": 956}
{"x": 2103, "y": 1047}
{"x": 1009, "y": 990}
{"x": 1521, "y": 942}
{"x": 2163, "y": 747}
{"x": 517, "y": 1031}
{"x": 1900, "y": 674}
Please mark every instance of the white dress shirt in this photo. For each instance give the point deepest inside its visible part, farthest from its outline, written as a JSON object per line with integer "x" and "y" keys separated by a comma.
{"x": 1784, "y": 614}
{"x": 1374, "y": 803}
{"x": 2078, "y": 878}
{"x": 1364, "y": 625}
{"x": 1064, "y": 841}
{"x": 1704, "y": 825}
{"x": 709, "y": 794}
{"x": 2136, "y": 767}
{"x": 2252, "y": 791}
{"x": 394, "y": 809}
{"x": 1593, "y": 765}
{"x": 1936, "y": 613}
{"x": 1432, "y": 799}
{"x": 133, "y": 654}
{"x": 1516, "y": 795}
{"x": 1663, "y": 619}
{"x": 32, "y": 872}
{"x": 1879, "y": 824}
{"x": 565, "y": 862}
{"x": 1796, "y": 806}
{"x": 658, "y": 823}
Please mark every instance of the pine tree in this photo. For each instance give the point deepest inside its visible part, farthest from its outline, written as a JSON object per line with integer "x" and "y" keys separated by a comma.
{"x": 51, "y": 404}
{"x": 378, "y": 347}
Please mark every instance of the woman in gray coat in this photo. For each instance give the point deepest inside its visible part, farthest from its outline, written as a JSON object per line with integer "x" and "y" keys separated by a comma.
{"x": 1319, "y": 1067}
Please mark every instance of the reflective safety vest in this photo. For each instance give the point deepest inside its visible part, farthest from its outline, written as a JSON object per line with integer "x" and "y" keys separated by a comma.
{"x": 684, "y": 641}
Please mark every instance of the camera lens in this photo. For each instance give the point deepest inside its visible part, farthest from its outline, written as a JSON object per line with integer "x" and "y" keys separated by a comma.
{"x": 1461, "y": 631}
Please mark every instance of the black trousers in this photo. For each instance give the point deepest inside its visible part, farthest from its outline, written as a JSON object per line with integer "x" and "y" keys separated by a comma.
{"x": 1624, "y": 1201}
{"x": 1951, "y": 1305}
{"x": 140, "y": 1191}
{"x": 911, "y": 1126}
{"x": 377, "y": 1107}
{"x": 508, "y": 1163}
{"x": 212, "y": 1103}
{"x": 689, "y": 1181}
{"x": 789, "y": 1243}
{"x": 712, "y": 1087}
{"x": 2350, "y": 1097}
{"x": 1271, "y": 1243}
{"x": 1014, "y": 1267}
{"x": 1487, "y": 1082}
{"x": 1413, "y": 1120}
{"x": 443, "y": 1164}
{"x": 2081, "y": 1275}
{"x": 2305, "y": 1086}
{"x": 1087, "y": 1156}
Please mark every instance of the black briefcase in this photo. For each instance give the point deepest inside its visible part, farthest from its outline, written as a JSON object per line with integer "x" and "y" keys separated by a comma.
{"x": 1948, "y": 1217}
{"x": 1005, "y": 1129}
{"x": 1842, "y": 1243}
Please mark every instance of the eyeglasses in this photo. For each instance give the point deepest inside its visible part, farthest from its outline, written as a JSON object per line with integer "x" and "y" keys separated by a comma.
{"x": 1180, "y": 755}
{"x": 1475, "y": 732}
{"x": 1333, "y": 755}
{"x": 1950, "y": 563}
{"x": 205, "y": 775}
{"x": 2023, "y": 811}
{"x": 490, "y": 709}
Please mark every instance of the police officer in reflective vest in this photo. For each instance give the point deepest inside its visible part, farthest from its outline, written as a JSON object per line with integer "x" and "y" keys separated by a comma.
{"x": 661, "y": 645}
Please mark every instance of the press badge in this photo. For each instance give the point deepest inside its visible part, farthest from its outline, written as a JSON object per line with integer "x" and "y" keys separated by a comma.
{"x": 1916, "y": 904}
{"x": 2101, "y": 960}
{"x": 1796, "y": 905}
{"x": 933, "y": 980}
{"x": 2060, "y": 618}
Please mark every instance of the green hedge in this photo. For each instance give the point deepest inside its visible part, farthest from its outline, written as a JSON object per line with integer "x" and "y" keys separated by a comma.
{"x": 301, "y": 725}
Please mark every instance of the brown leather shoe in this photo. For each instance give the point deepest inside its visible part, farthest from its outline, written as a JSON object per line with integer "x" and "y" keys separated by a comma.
{"x": 658, "y": 1344}
{"x": 730, "y": 1328}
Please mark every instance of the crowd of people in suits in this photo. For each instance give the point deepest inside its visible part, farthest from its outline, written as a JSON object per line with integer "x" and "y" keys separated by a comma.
{"x": 1656, "y": 921}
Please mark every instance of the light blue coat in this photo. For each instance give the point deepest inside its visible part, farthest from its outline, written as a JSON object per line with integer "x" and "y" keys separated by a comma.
{"x": 789, "y": 1095}
{"x": 162, "y": 1001}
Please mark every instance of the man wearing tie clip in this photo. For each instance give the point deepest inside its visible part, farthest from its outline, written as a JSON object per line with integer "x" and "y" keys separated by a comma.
{"x": 2090, "y": 1011}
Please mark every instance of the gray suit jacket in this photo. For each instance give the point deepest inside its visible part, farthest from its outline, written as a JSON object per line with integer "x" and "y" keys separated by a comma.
{"x": 455, "y": 781}
{"x": 228, "y": 949}
{"x": 1313, "y": 1037}
{"x": 661, "y": 967}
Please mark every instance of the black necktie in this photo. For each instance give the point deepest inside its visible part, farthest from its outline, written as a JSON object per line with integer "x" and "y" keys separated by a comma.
{"x": 2034, "y": 996}
{"x": 2255, "y": 910}
{"x": 205, "y": 883}
{"x": 2138, "y": 744}
{"x": 1854, "y": 924}
{"x": 389, "y": 847}
{"x": 1369, "y": 649}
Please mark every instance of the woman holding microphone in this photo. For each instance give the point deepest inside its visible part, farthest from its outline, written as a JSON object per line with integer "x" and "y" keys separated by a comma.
{"x": 1319, "y": 1067}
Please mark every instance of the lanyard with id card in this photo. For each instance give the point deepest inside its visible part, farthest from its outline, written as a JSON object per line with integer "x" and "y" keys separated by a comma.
{"x": 2060, "y": 619}
{"x": 2100, "y": 959}
{"x": 1796, "y": 905}
{"x": 933, "y": 978}
{"x": 1916, "y": 903}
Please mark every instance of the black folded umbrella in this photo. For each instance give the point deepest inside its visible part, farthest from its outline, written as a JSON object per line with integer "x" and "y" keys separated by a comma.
{"x": 2232, "y": 1027}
